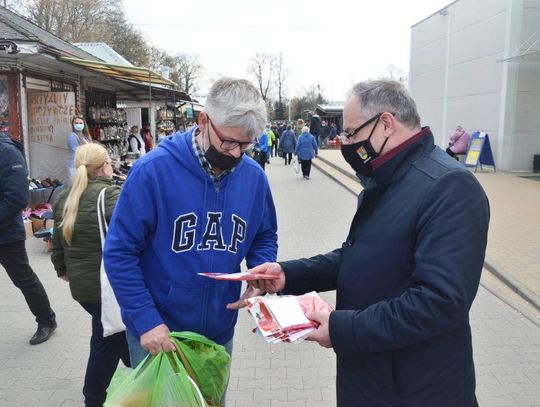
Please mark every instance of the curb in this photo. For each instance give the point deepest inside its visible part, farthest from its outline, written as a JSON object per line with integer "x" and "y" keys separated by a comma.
{"x": 512, "y": 283}
{"x": 321, "y": 169}
{"x": 505, "y": 277}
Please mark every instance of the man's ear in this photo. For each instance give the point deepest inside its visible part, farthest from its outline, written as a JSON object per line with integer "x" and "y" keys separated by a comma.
{"x": 202, "y": 121}
{"x": 389, "y": 123}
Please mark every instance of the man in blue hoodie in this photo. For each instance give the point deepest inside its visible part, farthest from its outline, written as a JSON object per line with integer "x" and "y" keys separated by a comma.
{"x": 195, "y": 204}
{"x": 407, "y": 273}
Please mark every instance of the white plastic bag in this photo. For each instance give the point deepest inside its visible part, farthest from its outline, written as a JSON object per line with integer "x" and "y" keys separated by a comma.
{"x": 295, "y": 165}
{"x": 111, "y": 319}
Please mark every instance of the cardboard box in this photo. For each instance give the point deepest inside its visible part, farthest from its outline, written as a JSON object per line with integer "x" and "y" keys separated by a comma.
{"x": 37, "y": 224}
{"x": 28, "y": 228}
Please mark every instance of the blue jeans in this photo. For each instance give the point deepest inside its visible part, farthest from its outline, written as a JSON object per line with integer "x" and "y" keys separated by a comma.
{"x": 105, "y": 353}
{"x": 137, "y": 354}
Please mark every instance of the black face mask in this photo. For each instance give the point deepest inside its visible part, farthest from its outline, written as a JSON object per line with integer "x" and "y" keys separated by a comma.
{"x": 360, "y": 155}
{"x": 219, "y": 160}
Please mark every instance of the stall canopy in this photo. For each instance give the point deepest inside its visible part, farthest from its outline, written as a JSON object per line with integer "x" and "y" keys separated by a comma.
{"x": 130, "y": 73}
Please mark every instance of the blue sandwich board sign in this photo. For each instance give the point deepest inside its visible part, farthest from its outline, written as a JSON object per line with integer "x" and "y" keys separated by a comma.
{"x": 479, "y": 151}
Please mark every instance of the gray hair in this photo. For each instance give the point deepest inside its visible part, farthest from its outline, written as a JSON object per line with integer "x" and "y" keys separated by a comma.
{"x": 305, "y": 129}
{"x": 385, "y": 95}
{"x": 237, "y": 103}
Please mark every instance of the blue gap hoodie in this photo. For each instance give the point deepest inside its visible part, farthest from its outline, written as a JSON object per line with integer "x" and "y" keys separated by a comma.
{"x": 172, "y": 222}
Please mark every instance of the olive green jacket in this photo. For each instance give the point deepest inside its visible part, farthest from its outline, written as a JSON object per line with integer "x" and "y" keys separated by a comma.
{"x": 81, "y": 261}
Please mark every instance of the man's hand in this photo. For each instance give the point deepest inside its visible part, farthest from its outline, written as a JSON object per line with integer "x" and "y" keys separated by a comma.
{"x": 270, "y": 286}
{"x": 322, "y": 334}
{"x": 157, "y": 339}
{"x": 250, "y": 292}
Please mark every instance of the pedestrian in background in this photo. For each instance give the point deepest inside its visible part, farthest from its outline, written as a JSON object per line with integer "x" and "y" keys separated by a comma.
{"x": 306, "y": 150}
{"x": 261, "y": 146}
{"x": 79, "y": 136}
{"x": 136, "y": 143}
{"x": 407, "y": 272}
{"x": 13, "y": 256}
{"x": 298, "y": 128}
{"x": 459, "y": 142}
{"x": 287, "y": 144}
{"x": 271, "y": 142}
{"x": 315, "y": 127}
{"x": 146, "y": 135}
{"x": 76, "y": 255}
{"x": 325, "y": 133}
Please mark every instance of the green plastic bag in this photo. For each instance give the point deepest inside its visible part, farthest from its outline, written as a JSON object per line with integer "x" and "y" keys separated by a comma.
{"x": 209, "y": 361}
{"x": 158, "y": 381}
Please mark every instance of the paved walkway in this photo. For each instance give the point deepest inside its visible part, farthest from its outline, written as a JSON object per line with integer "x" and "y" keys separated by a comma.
{"x": 313, "y": 217}
{"x": 514, "y": 232}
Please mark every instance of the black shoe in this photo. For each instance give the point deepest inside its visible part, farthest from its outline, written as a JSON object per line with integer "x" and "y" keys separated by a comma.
{"x": 42, "y": 334}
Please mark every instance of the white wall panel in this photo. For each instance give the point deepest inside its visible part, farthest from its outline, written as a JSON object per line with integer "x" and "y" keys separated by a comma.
{"x": 466, "y": 13}
{"x": 427, "y": 86}
{"x": 479, "y": 40}
{"x": 428, "y": 58}
{"x": 477, "y": 76}
{"x": 524, "y": 147}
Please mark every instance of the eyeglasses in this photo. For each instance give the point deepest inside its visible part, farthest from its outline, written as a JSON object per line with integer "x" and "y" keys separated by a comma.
{"x": 229, "y": 145}
{"x": 353, "y": 133}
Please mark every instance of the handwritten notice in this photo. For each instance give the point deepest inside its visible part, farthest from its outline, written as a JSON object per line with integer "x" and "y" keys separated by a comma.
{"x": 49, "y": 117}
{"x": 49, "y": 123}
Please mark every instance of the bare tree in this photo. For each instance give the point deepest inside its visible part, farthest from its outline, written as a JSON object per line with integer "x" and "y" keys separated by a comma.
{"x": 70, "y": 20}
{"x": 262, "y": 67}
{"x": 307, "y": 100}
{"x": 156, "y": 58}
{"x": 89, "y": 21}
{"x": 187, "y": 71}
{"x": 395, "y": 73}
{"x": 281, "y": 76}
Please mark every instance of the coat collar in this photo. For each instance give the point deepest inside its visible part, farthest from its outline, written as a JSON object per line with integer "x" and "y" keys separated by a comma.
{"x": 393, "y": 164}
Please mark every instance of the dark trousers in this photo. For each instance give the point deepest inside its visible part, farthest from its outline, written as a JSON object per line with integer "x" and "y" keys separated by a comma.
{"x": 105, "y": 353}
{"x": 275, "y": 148}
{"x": 263, "y": 157}
{"x": 287, "y": 157}
{"x": 306, "y": 167}
{"x": 14, "y": 259}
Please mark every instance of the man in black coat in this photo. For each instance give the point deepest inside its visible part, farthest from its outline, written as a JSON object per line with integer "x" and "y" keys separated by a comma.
{"x": 13, "y": 256}
{"x": 315, "y": 127}
{"x": 407, "y": 273}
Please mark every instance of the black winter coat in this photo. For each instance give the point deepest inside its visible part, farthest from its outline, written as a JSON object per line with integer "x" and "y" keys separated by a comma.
{"x": 406, "y": 277}
{"x": 13, "y": 191}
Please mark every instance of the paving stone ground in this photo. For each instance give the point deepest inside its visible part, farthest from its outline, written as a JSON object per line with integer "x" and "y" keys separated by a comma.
{"x": 313, "y": 217}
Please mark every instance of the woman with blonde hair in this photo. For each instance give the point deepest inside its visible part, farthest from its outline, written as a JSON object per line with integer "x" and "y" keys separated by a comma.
{"x": 76, "y": 255}
{"x": 79, "y": 136}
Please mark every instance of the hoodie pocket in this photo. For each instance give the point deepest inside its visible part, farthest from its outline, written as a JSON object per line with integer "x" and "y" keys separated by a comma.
{"x": 183, "y": 308}
{"x": 218, "y": 320}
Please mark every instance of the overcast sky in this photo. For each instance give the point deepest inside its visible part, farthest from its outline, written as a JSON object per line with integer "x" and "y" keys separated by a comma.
{"x": 332, "y": 43}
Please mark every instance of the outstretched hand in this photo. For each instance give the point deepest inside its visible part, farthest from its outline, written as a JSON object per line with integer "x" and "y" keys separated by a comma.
{"x": 270, "y": 286}
{"x": 250, "y": 292}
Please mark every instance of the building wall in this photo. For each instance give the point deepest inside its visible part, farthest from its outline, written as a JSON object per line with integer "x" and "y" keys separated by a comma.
{"x": 526, "y": 111}
{"x": 457, "y": 77}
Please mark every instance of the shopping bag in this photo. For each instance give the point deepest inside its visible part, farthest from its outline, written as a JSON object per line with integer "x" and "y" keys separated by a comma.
{"x": 158, "y": 381}
{"x": 295, "y": 165}
{"x": 111, "y": 319}
{"x": 206, "y": 362}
